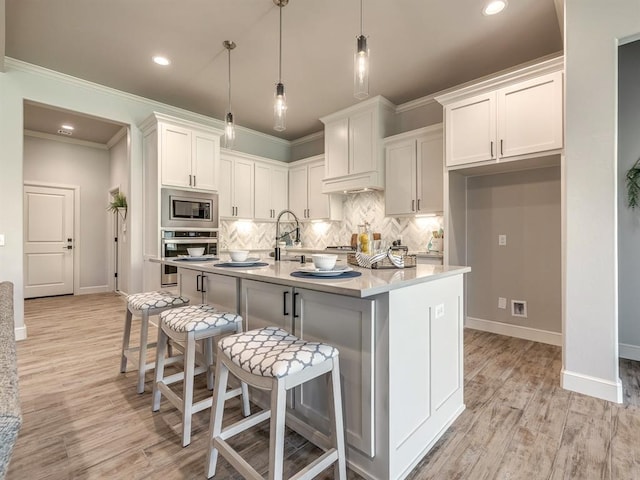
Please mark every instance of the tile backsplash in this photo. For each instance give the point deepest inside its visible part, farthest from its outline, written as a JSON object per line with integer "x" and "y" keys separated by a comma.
{"x": 369, "y": 206}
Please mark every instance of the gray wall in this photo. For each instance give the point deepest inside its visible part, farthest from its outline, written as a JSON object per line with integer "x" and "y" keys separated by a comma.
{"x": 628, "y": 219}
{"x": 119, "y": 177}
{"x": 525, "y": 206}
{"x": 70, "y": 164}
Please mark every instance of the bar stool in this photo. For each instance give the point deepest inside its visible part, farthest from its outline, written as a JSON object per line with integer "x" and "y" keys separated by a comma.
{"x": 187, "y": 325}
{"x": 272, "y": 359}
{"x": 145, "y": 305}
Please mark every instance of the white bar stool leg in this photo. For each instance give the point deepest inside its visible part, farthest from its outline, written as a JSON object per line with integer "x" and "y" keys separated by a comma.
{"x": 125, "y": 340}
{"x": 217, "y": 410}
{"x": 142, "y": 359}
{"x": 187, "y": 387}
{"x": 276, "y": 437}
{"x": 159, "y": 371}
{"x": 335, "y": 412}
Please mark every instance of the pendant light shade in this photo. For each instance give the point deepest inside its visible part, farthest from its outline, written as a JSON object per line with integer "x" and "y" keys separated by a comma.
{"x": 280, "y": 99}
{"x": 229, "y": 125}
{"x": 361, "y": 65}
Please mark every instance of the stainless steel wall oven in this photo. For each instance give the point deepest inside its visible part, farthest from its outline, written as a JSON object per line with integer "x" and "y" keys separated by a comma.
{"x": 176, "y": 242}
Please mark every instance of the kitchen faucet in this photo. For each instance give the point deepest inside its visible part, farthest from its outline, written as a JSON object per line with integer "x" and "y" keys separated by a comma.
{"x": 278, "y": 236}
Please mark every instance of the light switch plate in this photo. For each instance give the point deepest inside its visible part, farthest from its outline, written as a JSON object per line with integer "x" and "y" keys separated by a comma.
{"x": 502, "y": 240}
{"x": 502, "y": 302}
{"x": 440, "y": 310}
{"x": 1, "y": 239}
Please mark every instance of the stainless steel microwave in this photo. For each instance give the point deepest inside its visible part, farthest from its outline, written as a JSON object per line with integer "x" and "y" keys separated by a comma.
{"x": 187, "y": 209}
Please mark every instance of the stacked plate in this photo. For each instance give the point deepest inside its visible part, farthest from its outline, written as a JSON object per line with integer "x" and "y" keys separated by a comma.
{"x": 334, "y": 272}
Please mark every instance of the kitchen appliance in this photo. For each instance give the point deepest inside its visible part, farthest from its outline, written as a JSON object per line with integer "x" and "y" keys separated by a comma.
{"x": 187, "y": 209}
{"x": 177, "y": 242}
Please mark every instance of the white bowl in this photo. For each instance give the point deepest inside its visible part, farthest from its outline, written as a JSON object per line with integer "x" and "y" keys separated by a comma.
{"x": 324, "y": 261}
{"x": 238, "y": 255}
{"x": 195, "y": 252}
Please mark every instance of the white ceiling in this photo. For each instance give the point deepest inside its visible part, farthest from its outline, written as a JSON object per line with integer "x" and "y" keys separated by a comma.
{"x": 418, "y": 47}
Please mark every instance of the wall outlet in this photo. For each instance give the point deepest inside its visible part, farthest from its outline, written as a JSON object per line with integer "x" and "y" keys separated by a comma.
{"x": 440, "y": 310}
{"x": 1, "y": 239}
{"x": 502, "y": 302}
{"x": 502, "y": 240}
{"x": 519, "y": 308}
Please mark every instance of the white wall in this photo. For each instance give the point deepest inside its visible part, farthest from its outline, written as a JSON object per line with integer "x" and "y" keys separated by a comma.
{"x": 590, "y": 354}
{"x": 119, "y": 177}
{"x": 69, "y": 164}
{"x": 23, "y": 81}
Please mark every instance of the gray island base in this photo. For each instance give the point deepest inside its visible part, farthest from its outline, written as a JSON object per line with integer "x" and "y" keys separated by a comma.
{"x": 400, "y": 337}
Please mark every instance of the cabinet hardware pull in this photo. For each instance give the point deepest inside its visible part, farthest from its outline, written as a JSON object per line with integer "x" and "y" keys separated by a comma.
{"x": 501, "y": 152}
{"x": 284, "y": 303}
{"x": 198, "y": 283}
{"x": 194, "y": 180}
{"x": 202, "y": 286}
{"x": 189, "y": 180}
{"x": 492, "y": 149}
{"x": 295, "y": 296}
{"x": 418, "y": 204}
{"x": 413, "y": 205}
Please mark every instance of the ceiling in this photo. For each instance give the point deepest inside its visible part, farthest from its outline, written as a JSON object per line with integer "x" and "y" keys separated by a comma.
{"x": 418, "y": 47}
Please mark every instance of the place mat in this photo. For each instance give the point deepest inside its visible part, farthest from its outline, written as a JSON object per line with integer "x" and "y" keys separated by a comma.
{"x": 233, "y": 265}
{"x": 351, "y": 274}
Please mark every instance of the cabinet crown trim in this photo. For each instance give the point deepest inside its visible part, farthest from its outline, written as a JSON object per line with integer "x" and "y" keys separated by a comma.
{"x": 494, "y": 82}
{"x": 378, "y": 100}
{"x": 152, "y": 120}
{"x": 435, "y": 129}
{"x": 234, "y": 154}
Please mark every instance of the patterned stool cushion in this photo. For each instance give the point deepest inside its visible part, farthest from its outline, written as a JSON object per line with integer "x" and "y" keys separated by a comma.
{"x": 194, "y": 318}
{"x": 273, "y": 352}
{"x": 149, "y": 300}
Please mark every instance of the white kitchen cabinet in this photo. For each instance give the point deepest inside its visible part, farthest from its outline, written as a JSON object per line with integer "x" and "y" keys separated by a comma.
{"x": 522, "y": 117}
{"x": 353, "y": 156}
{"x": 209, "y": 288}
{"x": 236, "y": 193}
{"x": 413, "y": 172}
{"x": 306, "y": 199}
{"x": 271, "y": 190}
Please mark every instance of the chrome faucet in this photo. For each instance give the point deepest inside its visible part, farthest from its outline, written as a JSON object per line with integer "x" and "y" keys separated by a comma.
{"x": 278, "y": 236}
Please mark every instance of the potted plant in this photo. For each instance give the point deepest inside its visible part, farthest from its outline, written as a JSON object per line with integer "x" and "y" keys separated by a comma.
{"x": 119, "y": 205}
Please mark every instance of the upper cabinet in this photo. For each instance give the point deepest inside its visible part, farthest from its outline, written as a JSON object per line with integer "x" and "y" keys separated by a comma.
{"x": 414, "y": 172}
{"x": 236, "y": 186}
{"x": 187, "y": 154}
{"x": 353, "y": 146}
{"x": 306, "y": 199}
{"x": 513, "y": 116}
{"x": 271, "y": 190}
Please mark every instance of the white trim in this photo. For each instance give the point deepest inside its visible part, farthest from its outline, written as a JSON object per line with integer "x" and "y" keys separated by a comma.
{"x": 630, "y": 352}
{"x": 307, "y": 138}
{"x": 59, "y": 138}
{"x": 305, "y": 161}
{"x": 254, "y": 158}
{"x": 116, "y": 138}
{"x": 517, "y": 331}
{"x": 20, "y": 333}
{"x": 19, "y": 65}
{"x": 592, "y": 386}
{"x": 95, "y": 289}
{"x": 417, "y": 103}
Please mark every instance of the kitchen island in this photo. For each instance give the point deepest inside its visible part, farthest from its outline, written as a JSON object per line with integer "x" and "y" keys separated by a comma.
{"x": 399, "y": 333}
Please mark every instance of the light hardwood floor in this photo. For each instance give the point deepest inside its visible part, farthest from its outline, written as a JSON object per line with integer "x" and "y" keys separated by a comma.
{"x": 83, "y": 419}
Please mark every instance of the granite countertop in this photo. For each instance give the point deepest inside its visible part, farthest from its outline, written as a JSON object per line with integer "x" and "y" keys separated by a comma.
{"x": 371, "y": 282}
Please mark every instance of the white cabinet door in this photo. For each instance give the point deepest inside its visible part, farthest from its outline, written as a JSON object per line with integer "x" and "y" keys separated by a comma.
{"x": 348, "y": 324}
{"x": 225, "y": 188}
{"x": 363, "y": 153}
{"x": 318, "y": 202}
{"x": 176, "y": 156}
{"x": 336, "y": 144}
{"x": 263, "y": 188}
{"x": 400, "y": 178}
{"x": 430, "y": 175}
{"x": 298, "y": 190}
{"x": 266, "y": 304}
{"x": 190, "y": 285}
{"x": 243, "y": 188}
{"x": 220, "y": 290}
{"x": 205, "y": 161}
{"x": 471, "y": 130}
{"x": 279, "y": 189}
{"x": 530, "y": 116}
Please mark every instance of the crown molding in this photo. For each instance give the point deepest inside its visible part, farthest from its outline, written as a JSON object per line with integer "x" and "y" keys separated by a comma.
{"x": 19, "y": 65}
{"x": 116, "y": 138}
{"x": 60, "y": 138}
{"x": 307, "y": 138}
{"x": 417, "y": 103}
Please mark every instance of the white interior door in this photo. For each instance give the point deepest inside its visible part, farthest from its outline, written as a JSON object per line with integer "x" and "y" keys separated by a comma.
{"x": 48, "y": 241}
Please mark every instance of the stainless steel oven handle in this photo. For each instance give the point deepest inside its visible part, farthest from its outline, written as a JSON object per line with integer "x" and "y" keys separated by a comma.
{"x": 177, "y": 241}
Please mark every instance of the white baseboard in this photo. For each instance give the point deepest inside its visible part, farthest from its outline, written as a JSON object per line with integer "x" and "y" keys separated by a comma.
{"x": 21, "y": 332}
{"x": 592, "y": 386}
{"x": 630, "y": 352}
{"x": 526, "y": 333}
{"x": 96, "y": 289}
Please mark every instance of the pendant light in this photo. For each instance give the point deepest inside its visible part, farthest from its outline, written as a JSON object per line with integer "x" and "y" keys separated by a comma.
{"x": 361, "y": 65}
{"x": 280, "y": 100}
{"x": 229, "y": 126}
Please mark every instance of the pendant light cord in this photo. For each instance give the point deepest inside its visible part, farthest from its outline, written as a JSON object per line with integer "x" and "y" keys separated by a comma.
{"x": 280, "y": 53}
{"x": 361, "y": 17}
{"x": 229, "y": 83}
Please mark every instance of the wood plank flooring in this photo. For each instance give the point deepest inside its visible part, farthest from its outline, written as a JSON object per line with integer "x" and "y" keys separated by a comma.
{"x": 84, "y": 420}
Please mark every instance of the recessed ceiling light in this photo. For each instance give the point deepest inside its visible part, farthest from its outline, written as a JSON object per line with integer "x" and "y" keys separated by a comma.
{"x": 67, "y": 127}
{"x": 494, "y": 6}
{"x": 164, "y": 61}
